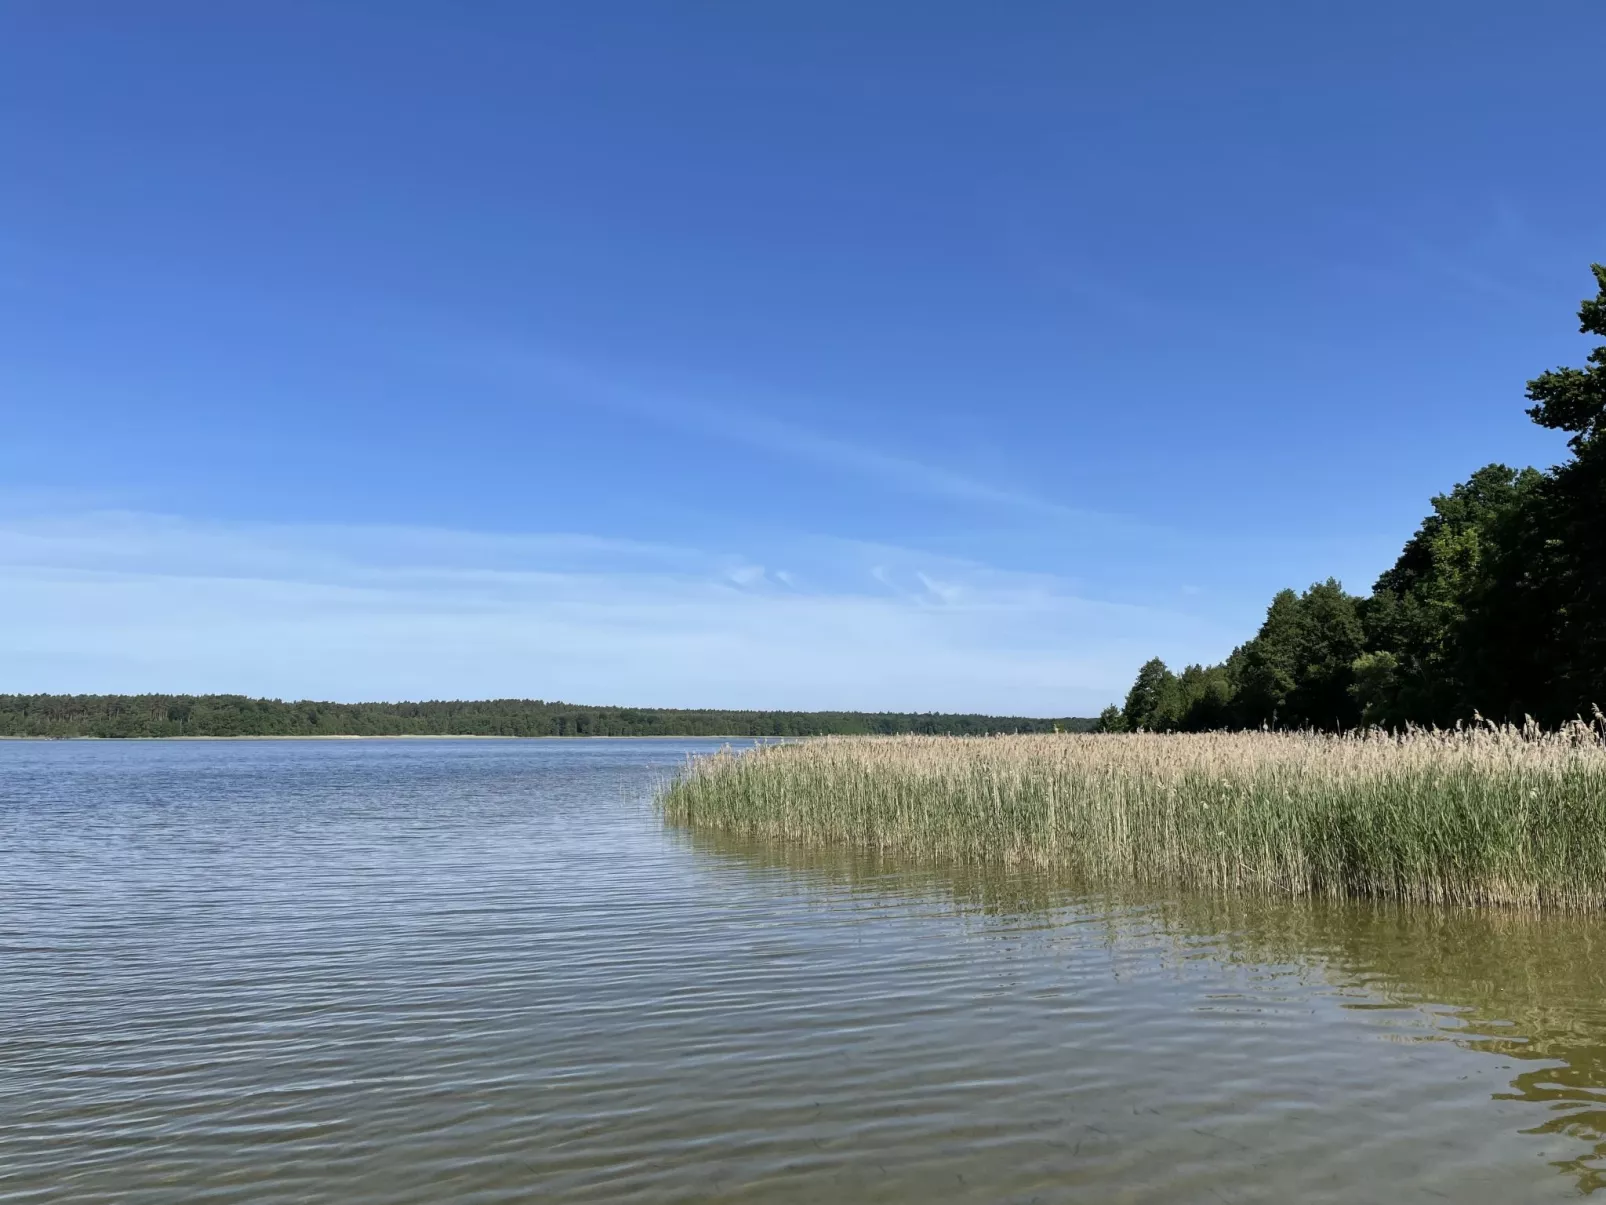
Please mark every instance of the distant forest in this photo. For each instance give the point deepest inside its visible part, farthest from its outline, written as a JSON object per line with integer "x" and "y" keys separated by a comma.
{"x": 1496, "y": 606}
{"x": 236, "y": 715}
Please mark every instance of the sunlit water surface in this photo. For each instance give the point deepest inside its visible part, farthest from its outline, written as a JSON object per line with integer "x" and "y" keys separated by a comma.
{"x": 483, "y": 971}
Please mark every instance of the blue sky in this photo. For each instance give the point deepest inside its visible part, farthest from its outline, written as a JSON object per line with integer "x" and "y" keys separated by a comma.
{"x": 937, "y": 356}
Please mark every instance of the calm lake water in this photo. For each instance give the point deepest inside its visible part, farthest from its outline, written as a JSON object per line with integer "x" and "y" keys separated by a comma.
{"x": 483, "y": 971}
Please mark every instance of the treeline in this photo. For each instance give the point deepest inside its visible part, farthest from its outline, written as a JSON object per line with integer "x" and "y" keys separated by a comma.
{"x": 1496, "y": 606}
{"x": 236, "y": 715}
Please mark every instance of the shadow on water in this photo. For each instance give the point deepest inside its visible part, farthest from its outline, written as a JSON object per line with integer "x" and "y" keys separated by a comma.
{"x": 1527, "y": 988}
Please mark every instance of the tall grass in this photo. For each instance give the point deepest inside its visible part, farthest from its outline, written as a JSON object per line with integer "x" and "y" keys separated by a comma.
{"x": 1487, "y": 815}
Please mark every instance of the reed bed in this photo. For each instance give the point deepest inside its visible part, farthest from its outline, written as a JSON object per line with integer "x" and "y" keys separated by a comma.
{"x": 1483, "y": 815}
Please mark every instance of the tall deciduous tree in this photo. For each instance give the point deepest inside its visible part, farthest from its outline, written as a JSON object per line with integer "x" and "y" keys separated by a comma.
{"x": 1437, "y": 610}
{"x": 1566, "y": 545}
{"x": 1266, "y": 667}
{"x": 1154, "y": 701}
{"x": 1206, "y": 698}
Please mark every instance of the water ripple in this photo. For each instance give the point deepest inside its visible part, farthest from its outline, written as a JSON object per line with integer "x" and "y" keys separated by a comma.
{"x": 483, "y": 972}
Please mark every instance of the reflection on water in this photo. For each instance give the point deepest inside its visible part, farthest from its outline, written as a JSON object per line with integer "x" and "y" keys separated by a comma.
{"x": 413, "y": 972}
{"x": 1527, "y": 989}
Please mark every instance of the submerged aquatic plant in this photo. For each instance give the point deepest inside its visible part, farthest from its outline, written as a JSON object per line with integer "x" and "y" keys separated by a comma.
{"x": 1479, "y": 815}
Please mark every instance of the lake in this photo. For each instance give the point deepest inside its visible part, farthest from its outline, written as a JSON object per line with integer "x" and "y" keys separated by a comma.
{"x": 484, "y": 971}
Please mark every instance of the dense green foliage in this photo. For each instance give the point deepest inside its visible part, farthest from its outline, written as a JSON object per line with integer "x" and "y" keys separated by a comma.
{"x": 236, "y": 715}
{"x": 1496, "y": 606}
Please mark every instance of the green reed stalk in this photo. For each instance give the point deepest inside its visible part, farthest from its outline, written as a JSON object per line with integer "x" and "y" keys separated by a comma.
{"x": 1470, "y": 816}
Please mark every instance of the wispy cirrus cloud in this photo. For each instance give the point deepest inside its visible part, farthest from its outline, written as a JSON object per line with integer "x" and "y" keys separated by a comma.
{"x": 122, "y": 601}
{"x": 540, "y": 371}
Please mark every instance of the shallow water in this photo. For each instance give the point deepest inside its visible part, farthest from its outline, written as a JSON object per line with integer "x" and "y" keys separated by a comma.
{"x": 483, "y": 971}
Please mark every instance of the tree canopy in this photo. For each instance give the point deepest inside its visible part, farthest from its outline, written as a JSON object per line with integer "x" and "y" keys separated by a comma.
{"x": 1495, "y": 606}
{"x": 237, "y": 715}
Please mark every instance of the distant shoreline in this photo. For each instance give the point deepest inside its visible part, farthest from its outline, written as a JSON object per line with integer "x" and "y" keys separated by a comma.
{"x": 408, "y": 736}
{"x": 239, "y": 717}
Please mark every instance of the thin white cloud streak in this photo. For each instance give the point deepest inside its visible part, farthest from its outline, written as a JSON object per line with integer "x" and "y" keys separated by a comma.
{"x": 536, "y": 371}
{"x": 128, "y": 602}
